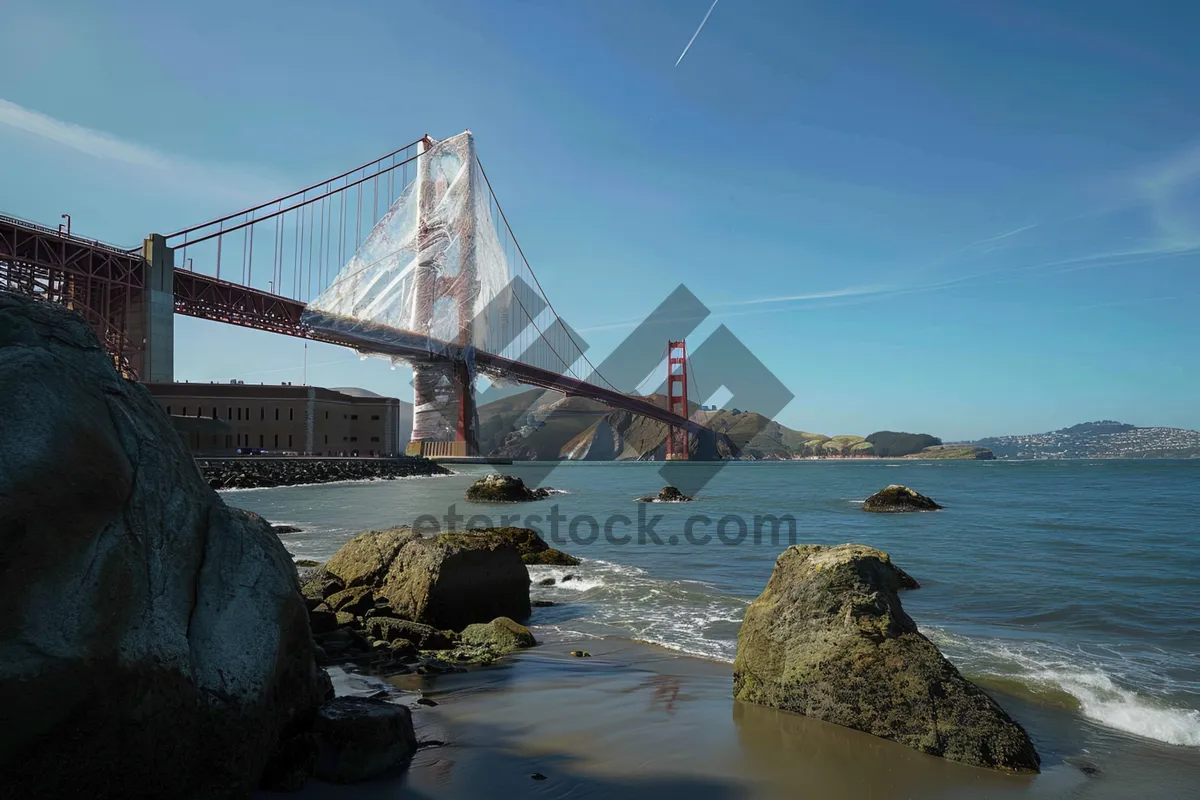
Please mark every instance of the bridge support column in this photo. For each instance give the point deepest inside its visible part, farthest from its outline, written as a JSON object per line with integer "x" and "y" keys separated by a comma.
{"x": 677, "y": 400}
{"x": 152, "y": 313}
{"x": 444, "y": 416}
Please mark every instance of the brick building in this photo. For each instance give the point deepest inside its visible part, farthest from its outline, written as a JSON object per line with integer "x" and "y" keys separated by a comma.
{"x": 220, "y": 418}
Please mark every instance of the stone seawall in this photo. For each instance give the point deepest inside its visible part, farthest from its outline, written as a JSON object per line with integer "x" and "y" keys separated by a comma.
{"x": 254, "y": 473}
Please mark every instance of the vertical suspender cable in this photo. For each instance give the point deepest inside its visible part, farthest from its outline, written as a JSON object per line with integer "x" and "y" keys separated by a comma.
{"x": 250, "y": 260}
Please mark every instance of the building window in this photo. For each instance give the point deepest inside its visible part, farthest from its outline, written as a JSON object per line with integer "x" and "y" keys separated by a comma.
{"x": 239, "y": 415}
{"x": 277, "y": 415}
{"x": 184, "y": 411}
{"x": 289, "y": 440}
{"x": 354, "y": 438}
{"x": 228, "y": 412}
{"x": 214, "y": 412}
{"x": 374, "y": 417}
{"x": 354, "y": 416}
{"x": 277, "y": 441}
{"x": 247, "y": 413}
{"x": 327, "y": 438}
{"x": 199, "y": 412}
{"x": 291, "y": 414}
{"x": 262, "y": 413}
{"x": 326, "y": 415}
{"x": 260, "y": 441}
{"x": 374, "y": 438}
{"x": 168, "y": 411}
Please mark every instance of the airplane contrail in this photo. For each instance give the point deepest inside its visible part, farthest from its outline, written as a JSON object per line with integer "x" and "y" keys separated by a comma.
{"x": 697, "y": 33}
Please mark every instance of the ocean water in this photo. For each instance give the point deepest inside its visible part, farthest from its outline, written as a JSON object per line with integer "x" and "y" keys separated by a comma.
{"x": 1074, "y": 585}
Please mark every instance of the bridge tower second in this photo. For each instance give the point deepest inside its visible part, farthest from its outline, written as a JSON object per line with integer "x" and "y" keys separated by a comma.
{"x": 445, "y": 421}
{"x": 677, "y": 399}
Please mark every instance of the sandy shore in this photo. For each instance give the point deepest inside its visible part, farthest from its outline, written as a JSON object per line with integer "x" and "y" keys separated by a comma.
{"x": 639, "y": 721}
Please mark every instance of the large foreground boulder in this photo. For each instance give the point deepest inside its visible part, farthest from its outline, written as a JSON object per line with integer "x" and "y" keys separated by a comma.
{"x": 503, "y": 489}
{"x": 153, "y": 641}
{"x": 827, "y": 638}
{"x": 896, "y": 498}
{"x": 447, "y": 581}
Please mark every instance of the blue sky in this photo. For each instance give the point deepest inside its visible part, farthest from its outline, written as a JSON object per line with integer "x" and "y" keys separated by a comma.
{"x": 961, "y": 218}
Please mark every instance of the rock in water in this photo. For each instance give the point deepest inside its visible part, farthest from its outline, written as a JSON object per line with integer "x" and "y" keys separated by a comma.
{"x": 503, "y": 489}
{"x": 361, "y": 738}
{"x": 667, "y": 494}
{"x": 827, "y": 638}
{"x": 140, "y": 617}
{"x": 899, "y": 498}
{"x": 447, "y": 581}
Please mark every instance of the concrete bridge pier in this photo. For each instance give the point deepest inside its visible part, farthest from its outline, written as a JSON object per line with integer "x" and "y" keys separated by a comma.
{"x": 152, "y": 313}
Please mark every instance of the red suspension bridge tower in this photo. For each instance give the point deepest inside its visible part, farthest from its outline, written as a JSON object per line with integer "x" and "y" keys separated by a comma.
{"x": 677, "y": 399}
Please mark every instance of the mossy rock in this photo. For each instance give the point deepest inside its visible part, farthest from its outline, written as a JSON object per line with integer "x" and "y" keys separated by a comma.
{"x": 320, "y": 583}
{"x": 503, "y": 489}
{"x": 532, "y": 547}
{"x": 447, "y": 581}
{"x": 550, "y": 557}
{"x": 828, "y": 638}
{"x": 502, "y": 634}
{"x": 355, "y": 600}
{"x": 423, "y": 637}
{"x": 896, "y": 499}
{"x": 667, "y": 494}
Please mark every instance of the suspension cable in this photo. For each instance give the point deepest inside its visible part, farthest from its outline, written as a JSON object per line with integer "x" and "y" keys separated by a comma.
{"x": 517, "y": 244}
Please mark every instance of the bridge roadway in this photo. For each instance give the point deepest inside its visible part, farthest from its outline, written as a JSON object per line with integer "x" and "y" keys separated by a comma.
{"x": 106, "y": 283}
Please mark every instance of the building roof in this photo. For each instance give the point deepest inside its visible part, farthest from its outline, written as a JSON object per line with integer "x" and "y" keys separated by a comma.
{"x": 272, "y": 391}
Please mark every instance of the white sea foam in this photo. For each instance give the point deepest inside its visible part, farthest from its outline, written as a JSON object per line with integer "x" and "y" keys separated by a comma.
{"x": 685, "y": 616}
{"x": 1101, "y": 699}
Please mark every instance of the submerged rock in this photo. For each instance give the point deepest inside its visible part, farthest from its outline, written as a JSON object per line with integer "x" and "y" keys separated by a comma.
{"x": 667, "y": 494}
{"x": 828, "y": 638}
{"x": 360, "y": 738}
{"x": 503, "y": 489}
{"x": 140, "y": 615}
{"x": 447, "y": 581}
{"x": 897, "y": 498}
{"x": 282, "y": 529}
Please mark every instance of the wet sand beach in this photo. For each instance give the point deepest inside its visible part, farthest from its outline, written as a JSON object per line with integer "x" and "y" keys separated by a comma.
{"x": 636, "y": 720}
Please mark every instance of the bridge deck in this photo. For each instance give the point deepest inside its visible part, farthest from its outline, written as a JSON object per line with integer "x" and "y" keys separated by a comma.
{"x": 43, "y": 262}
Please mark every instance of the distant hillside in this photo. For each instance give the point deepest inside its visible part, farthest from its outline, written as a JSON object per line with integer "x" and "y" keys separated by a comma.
{"x": 1102, "y": 439}
{"x": 955, "y": 451}
{"x": 890, "y": 444}
{"x": 542, "y": 426}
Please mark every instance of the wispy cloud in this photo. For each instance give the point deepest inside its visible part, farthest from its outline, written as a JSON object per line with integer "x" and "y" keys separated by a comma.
{"x": 220, "y": 180}
{"x": 697, "y": 33}
{"x": 851, "y": 291}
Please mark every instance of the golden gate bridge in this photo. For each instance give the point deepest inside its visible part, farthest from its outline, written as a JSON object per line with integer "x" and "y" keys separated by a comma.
{"x": 408, "y": 257}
